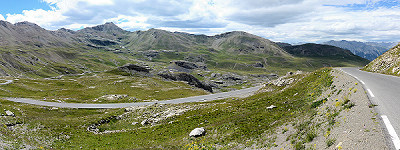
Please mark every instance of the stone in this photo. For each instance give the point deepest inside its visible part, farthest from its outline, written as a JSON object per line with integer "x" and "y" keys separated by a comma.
{"x": 271, "y": 107}
{"x": 214, "y": 75}
{"x": 258, "y": 65}
{"x": 9, "y": 113}
{"x": 282, "y": 81}
{"x": 298, "y": 72}
{"x": 289, "y": 73}
{"x": 147, "y": 121}
{"x": 197, "y": 132}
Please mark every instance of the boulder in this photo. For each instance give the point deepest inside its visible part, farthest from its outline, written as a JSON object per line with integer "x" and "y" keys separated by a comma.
{"x": 197, "y": 132}
{"x": 271, "y": 107}
{"x": 9, "y": 113}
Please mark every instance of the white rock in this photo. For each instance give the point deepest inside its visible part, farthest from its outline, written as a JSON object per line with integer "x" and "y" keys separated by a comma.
{"x": 197, "y": 132}
{"x": 9, "y": 113}
{"x": 147, "y": 121}
{"x": 270, "y": 107}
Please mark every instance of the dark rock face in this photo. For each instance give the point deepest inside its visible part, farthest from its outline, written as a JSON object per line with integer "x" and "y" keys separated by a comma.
{"x": 189, "y": 65}
{"x": 188, "y": 78}
{"x": 132, "y": 67}
{"x": 231, "y": 77}
{"x": 103, "y": 42}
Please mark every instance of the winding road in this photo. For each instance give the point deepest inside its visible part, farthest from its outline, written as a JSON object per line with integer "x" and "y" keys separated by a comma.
{"x": 201, "y": 98}
{"x": 383, "y": 90}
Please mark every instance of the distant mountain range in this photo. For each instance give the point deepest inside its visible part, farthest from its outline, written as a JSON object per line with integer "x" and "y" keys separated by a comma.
{"x": 367, "y": 50}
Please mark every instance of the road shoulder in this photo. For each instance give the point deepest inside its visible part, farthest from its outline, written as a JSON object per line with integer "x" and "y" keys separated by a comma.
{"x": 357, "y": 127}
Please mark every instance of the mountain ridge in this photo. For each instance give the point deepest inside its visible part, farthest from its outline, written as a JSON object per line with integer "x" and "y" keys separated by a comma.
{"x": 105, "y": 46}
{"x": 368, "y": 50}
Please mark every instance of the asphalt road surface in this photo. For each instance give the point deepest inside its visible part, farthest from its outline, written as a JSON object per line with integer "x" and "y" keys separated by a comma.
{"x": 201, "y": 98}
{"x": 384, "y": 91}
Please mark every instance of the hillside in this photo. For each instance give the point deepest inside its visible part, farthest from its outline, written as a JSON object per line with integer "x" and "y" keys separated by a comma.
{"x": 367, "y": 50}
{"x": 387, "y": 63}
{"x": 330, "y": 55}
{"x": 31, "y": 51}
{"x": 31, "y": 35}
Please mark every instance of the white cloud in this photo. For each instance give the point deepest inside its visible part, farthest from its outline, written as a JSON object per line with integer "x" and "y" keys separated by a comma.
{"x": 41, "y": 17}
{"x": 278, "y": 20}
{"x": 1, "y": 17}
{"x": 101, "y": 2}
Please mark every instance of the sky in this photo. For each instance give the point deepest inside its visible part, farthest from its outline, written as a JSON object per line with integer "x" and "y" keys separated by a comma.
{"x": 290, "y": 21}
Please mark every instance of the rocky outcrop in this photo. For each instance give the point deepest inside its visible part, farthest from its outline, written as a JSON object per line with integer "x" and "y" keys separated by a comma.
{"x": 285, "y": 80}
{"x": 190, "y": 79}
{"x": 132, "y": 67}
{"x": 282, "y": 81}
{"x": 387, "y": 63}
{"x": 190, "y": 65}
{"x": 103, "y": 42}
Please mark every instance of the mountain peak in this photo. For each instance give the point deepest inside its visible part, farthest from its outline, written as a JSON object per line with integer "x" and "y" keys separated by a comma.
{"x": 5, "y": 23}
{"x": 107, "y": 27}
{"x": 27, "y": 24}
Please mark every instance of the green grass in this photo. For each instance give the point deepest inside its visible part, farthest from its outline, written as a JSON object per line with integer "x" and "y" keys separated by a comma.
{"x": 330, "y": 142}
{"x": 90, "y": 88}
{"x": 242, "y": 121}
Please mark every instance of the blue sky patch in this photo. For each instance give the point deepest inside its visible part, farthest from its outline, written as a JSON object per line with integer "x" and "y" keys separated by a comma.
{"x": 370, "y": 5}
{"x": 17, "y": 6}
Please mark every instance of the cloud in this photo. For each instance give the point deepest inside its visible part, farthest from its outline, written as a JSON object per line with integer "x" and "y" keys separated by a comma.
{"x": 1, "y": 17}
{"x": 267, "y": 13}
{"x": 93, "y": 12}
{"x": 278, "y": 20}
{"x": 333, "y": 23}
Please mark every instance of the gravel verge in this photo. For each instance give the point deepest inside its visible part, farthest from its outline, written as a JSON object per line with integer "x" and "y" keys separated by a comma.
{"x": 357, "y": 127}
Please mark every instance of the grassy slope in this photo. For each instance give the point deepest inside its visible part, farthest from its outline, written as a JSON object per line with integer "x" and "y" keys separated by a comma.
{"x": 234, "y": 122}
{"x": 89, "y": 89}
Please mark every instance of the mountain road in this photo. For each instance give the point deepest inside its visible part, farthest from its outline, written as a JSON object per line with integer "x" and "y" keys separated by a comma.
{"x": 384, "y": 92}
{"x": 200, "y": 98}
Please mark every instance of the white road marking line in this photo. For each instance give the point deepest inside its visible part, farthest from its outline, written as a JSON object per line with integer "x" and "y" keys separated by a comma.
{"x": 395, "y": 138}
{"x": 370, "y": 93}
